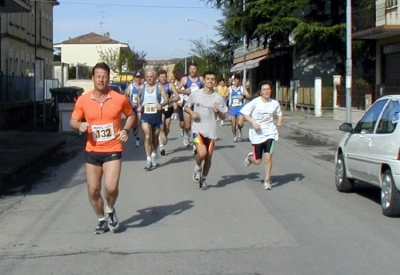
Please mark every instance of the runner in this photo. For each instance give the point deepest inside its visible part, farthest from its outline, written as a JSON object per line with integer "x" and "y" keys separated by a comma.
{"x": 132, "y": 93}
{"x": 101, "y": 109}
{"x": 190, "y": 83}
{"x": 223, "y": 91}
{"x": 168, "y": 110}
{"x": 202, "y": 106}
{"x": 237, "y": 93}
{"x": 263, "y": 132}
{"x": 150, "y": 96}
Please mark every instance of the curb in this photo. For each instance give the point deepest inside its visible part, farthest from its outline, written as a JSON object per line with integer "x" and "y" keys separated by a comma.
{"x": 314, "y": 135}
{"x": 11, "y": 173}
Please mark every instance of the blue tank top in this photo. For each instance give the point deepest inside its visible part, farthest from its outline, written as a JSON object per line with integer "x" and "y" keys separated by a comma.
{"x": 167, "y": 89}
{"x": 234, "y": 95}
{"x": 191, "y": 85}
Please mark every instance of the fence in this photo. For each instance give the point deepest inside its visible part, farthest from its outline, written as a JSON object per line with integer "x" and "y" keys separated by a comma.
{"x": 305, "y": 96}
{"x": 19, "y": 89}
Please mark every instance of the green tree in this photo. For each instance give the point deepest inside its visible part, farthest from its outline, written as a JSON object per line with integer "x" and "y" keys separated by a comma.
{"x": 123, "y": 59}
{"x": 310, "y": 27}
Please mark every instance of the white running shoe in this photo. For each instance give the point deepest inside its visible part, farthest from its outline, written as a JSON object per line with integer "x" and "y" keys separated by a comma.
{"x": 197, "y": 175}
{"x": 247, "y": 161}
{"x": 182, "y": 132}
{"x": 240, "y": 134}
{"x": 235, "y": 139}
{"x": 203, "y": 185}
{"x": 186, "y": 141}
{"x": 113, "y": 223}
{"x": 267, "y": 185}
{"x": 222, "y": 123}
{"x": 148, "y": 165}
{"x": 153, "y": 162}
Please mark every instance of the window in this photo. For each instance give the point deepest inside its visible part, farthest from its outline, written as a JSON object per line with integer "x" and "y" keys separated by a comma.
{"x": 388, "y": 121}
{"x": 367, "y": 123}
{"x": 391, "y": 3}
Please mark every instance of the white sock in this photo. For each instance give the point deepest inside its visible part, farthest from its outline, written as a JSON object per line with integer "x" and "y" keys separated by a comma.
{"x": 153, "y": 154}
{"x": 109, "y": 210}
{"x": 102, "y": 219}
{"x": 198, "y": 168}
{"x": 148, "y": 158}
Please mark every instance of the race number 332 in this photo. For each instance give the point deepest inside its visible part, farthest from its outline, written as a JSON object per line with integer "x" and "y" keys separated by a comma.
{"x": 103, "y": 132}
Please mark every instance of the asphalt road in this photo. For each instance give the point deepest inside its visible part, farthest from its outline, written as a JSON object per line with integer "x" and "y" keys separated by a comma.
{"x": 169, "y": 226}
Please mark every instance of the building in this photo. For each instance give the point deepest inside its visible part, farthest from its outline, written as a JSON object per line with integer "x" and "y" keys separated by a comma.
{"x": 380, "y": 21}
{"x": 86, "y": 49}
{"x": 26, "y": 35}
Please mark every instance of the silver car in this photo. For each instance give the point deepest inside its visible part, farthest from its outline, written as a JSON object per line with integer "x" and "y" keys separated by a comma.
{"x": 371, "y": 153}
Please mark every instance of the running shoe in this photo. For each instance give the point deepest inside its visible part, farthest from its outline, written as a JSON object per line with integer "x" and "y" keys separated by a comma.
{"x": 162, "y": 150}
{"x": 235, "y": 139}
{"x": 148, "y": 165}
{"x": 247, "y": 161}
{"x": 102, "y": 227}
{"x": 267, "y": 185}
{"x": 186, "y": 141}
{"x": 203, "y": 185}
{"x": 154, "y": 162}
{"x": 113, "y": 222}
{"x": 222, "y": 123}
{"x": 137, "y": 143}
{"x": 197, "y": 175}
{"x": 240, "y": 134}
{"x": 182, "y": 133}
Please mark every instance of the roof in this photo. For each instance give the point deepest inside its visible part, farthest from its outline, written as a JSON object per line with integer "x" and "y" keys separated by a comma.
{"x": 92, "y": 38}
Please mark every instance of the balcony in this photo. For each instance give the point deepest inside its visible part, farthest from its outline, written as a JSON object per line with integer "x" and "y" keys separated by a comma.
{"x": 11, "y": 6}
{"x": 379, "y": 20}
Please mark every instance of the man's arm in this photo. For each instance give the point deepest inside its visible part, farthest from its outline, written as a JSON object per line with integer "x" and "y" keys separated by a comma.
{"x": 182, "y": 85}
{"x": 164, "y": 96}
{"x": 175, "y": 98}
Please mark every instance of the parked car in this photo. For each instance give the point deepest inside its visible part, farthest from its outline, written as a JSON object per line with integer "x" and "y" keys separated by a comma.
{"x": 371, "y": 153}
{"x": 116, "y": 88}
{"x": 122, "y": 86}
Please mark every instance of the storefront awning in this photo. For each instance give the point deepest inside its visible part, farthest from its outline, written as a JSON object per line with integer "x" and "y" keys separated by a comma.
{"x": 250, "y": 64}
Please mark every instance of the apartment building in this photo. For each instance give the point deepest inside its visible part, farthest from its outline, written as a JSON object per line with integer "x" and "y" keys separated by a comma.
{"x": 26, "y": 34}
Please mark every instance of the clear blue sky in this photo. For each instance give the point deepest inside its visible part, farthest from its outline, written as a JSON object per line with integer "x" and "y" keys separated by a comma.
{"x": 152, "y": 26}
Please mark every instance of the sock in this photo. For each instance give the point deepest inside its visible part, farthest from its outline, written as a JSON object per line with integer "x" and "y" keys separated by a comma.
{"x": 187, "y": 134}
{"x": 153, "y": 154}
{"x": 148, "y": 158}
{"x": 109, "y": 210}
{"x": 198, "y": 168}
{"x": 102, "y": 219}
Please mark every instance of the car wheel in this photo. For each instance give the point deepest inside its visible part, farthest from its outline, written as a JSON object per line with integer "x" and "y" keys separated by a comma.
{"x": 343, "y": 183}
{"x": 390, "y": 196}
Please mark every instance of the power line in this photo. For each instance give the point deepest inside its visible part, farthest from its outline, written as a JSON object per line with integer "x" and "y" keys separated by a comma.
{"x": 125, "y": 5}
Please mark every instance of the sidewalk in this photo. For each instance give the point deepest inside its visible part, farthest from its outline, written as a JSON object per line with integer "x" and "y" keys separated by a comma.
{"x": 324, "y": 128}
{"x": 21, "y": 149}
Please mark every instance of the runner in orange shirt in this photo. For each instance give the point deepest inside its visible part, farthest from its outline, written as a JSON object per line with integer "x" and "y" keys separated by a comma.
{"x": 101, "y": 111}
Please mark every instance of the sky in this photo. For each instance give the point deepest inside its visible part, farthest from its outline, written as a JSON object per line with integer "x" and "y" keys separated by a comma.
{"x": 151, "y": 26}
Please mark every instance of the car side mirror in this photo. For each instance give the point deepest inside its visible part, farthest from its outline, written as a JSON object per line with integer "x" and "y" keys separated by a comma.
{"x": 346, "y": 127}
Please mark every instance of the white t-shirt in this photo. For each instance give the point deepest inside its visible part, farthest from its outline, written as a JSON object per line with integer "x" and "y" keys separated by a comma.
{"x": 204, "y": 105}
{"x": 263, "y": 114}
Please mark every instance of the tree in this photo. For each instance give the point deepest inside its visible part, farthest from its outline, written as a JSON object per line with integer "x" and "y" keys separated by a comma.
{"x": 123, "y": 59}
{"x": 310, "y": 27}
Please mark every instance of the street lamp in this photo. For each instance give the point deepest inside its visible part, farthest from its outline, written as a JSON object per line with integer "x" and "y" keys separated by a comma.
{"x": 185, "y": 60}
{"x": 188, "y": 41}
{"x": 200, "y": 22}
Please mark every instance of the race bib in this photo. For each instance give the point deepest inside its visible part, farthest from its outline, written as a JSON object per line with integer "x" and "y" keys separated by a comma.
{"x": 150, "y": 108}
{"x": 236, "y": 102}
{"x": 103, "y": 132}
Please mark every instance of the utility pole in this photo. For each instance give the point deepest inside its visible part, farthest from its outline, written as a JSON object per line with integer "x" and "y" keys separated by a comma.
{"x": 244, "y": 50}
{"x": 349, "y": 62}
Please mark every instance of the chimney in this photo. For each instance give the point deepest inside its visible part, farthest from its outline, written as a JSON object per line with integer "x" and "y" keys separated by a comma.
{"x": 107, "y": 34}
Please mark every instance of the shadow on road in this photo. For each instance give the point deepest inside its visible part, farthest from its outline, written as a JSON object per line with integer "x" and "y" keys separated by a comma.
{"x": 284, "y": 179}
{"x": 151, "y": 215}
{"x": 229, "y": 179}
